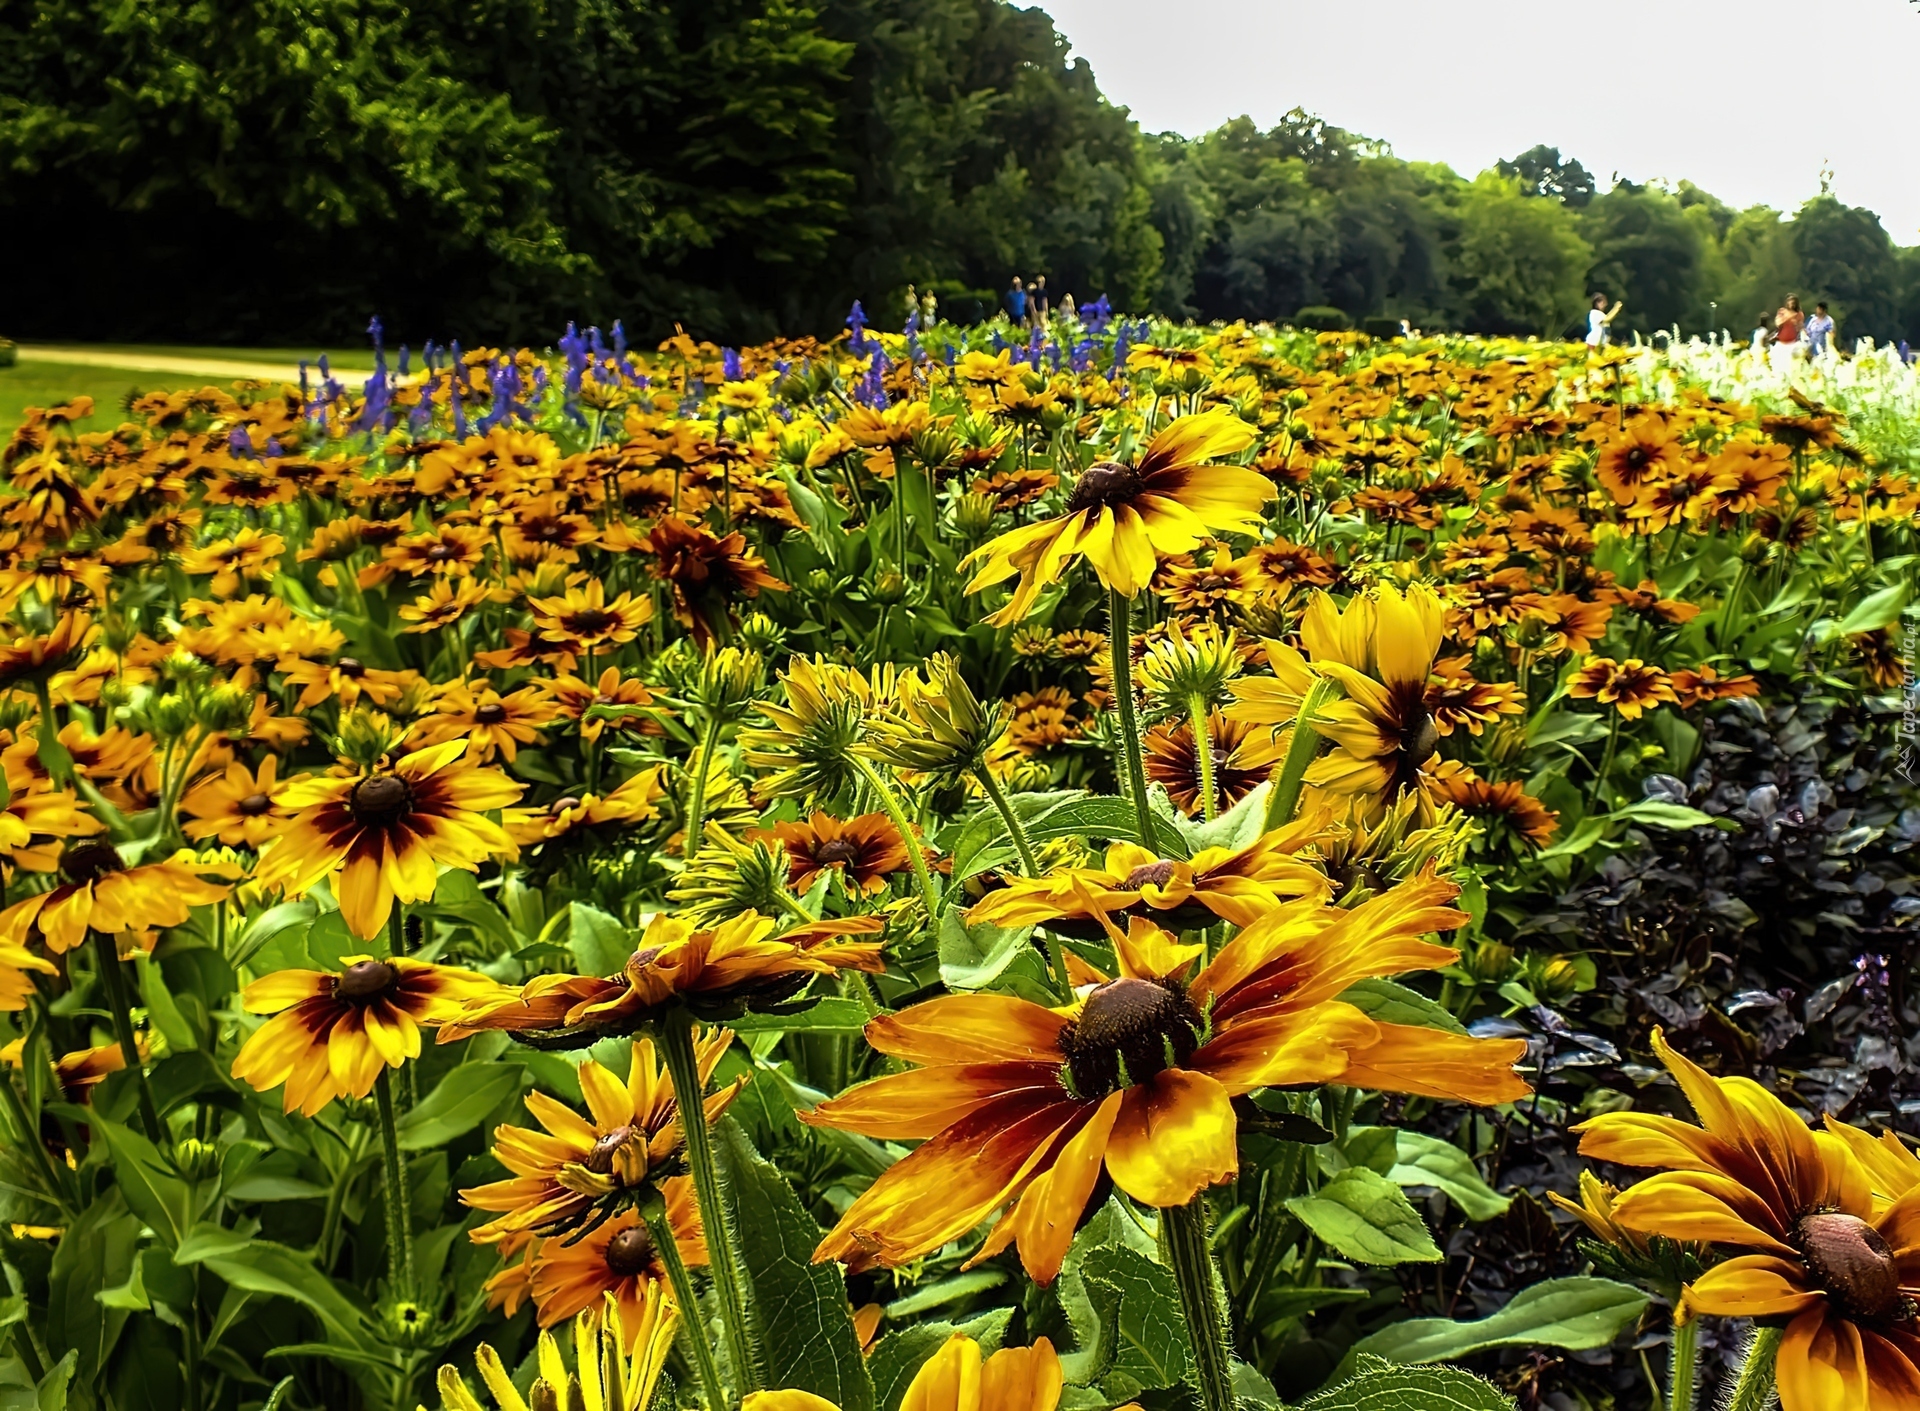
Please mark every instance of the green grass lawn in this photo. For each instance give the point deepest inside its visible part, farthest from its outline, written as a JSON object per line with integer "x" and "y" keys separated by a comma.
{"x": 37, "y": 384}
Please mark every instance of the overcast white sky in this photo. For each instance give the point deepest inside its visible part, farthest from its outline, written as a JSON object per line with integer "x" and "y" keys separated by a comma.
{"x": 1747, "y": 98}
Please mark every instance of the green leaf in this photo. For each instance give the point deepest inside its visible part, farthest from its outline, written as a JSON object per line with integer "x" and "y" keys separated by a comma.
{"x": 1124, "y": 1308}
{"x": 1378, "y": 1385}
{"x": 1665, "y": 815}
{"x": 1367, "y": 1218}
{"x": 264, "y": 1267}
{"x": 973, "y": 957}
{"x": 832, "y": 1015}
{"x": 1278, "y": 1305}
{"x": 1425, "y": 1160}
{"x": 1876, "y": 610}
{"x": 945, "y": 1291}
{"x": 161, "y": 1007}
{"x": 805, "y": 1323}
{"x": 983, "y": 841}
{"x": 462, "y": 1101}
{"x": 132, "y": 1295}
{"x": 600, "y": 943}
{"x": 146, "y": 1178}
{"x": 1575, "y": 1314}
{"x": 1236, "y": 828}
{"x": 1393, "y": 1003}
{"x": 97, "y": 1251}
{"x": 207, "y": 1240}
{"x": 901, "y": 1353}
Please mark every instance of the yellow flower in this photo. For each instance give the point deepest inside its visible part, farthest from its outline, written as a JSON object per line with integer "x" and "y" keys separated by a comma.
{"x": 1830, "y": 1242}
{"x": 618, "y": 1354}
{"x": 332, "y": 1032}
{"x": 384, "y": 835}
{"x": 101, "y": 893}
{"x": 1019, "y": 1105}
{"x": 956, "y": 1378}
{"x": 1119, "y": 517}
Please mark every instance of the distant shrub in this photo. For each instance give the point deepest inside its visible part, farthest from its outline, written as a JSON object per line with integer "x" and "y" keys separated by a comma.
{"x": 1323, "y": 318}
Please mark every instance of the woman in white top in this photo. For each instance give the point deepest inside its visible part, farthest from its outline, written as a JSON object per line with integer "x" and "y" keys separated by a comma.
{"x": 1598, "y": 317}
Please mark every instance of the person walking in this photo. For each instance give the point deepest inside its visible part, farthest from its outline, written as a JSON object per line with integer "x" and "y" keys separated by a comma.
{"x": 1787, "y": 323}
{"x": 1599, "y": 320}
{"x": 929, "y": 309}
{"x": 1819, "y": 331}
{"x": 1762, "y": 330}
{"x": 1017, "y": 301}
{"x": 1037, "y": 301}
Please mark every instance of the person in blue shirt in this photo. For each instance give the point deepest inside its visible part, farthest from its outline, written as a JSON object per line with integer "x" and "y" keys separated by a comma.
{"x": 1017, "y": 301}
{"x": 1819, "y": 330}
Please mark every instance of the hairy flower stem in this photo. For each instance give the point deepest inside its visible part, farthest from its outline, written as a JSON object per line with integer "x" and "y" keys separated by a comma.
{"x": 697, "y": 799}
{"x": 997, "y": 796}
{"x": 107, "y": 956}
{"x": 393, "y": 1176}
{"x": 1753, "y": 1391}
{"x": 675, "y": 1037}
{"x": 696, "y": 1335}
{"x": 1183, "y": 1235}
{"x": 916, "y": 855}
{"x": 1284, "y": 801}
{"x": 1203, "y": 753}
{"x": 1682, "y": 1366}
{"x": 1120, "y": 634}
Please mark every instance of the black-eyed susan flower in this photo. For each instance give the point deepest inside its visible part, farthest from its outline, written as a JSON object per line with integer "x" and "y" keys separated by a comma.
{"x": 1828, "y": 1243}
{"x": 1240, "y": 759}
{"x": 1631, "y": 687}
{"x": 236, "y": 806}
{"x": 715, "y": 974}
{"x": 332, "y": 1032}
{"x": 863, "y": 851}
{"x": 587, "y": 616}
{"x": 32, "y": 659}
{"x": 634, "y": 801}
{"x": 1020, "y": 1107}
{"x": 575, "y": 1165}
{"x": 490, "y": 722}
{"x": 1216, "y": 884}
{"x": 617, "y": 1260}
{"x": 38, "y": 818}
{"x": 99, "y": 892}
{"x": 384, "y": 835}
{"x": 1121, "y": 517}
{"x": 18, "y": 966}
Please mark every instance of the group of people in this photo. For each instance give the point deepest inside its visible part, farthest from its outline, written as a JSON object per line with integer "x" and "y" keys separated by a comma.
{"x": 1030, "y": 305}
{"x": 1787, "y": 331}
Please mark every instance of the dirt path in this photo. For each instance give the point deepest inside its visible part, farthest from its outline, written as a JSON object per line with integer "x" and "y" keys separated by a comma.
{"x": 217, "y": 369}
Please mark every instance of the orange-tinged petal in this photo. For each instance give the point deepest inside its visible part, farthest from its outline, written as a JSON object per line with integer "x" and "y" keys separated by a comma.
{"x": 1691, "y": 1205}
{"x": 947, "y": 1381}
{"x": 1754, "y": 1286}
{"x": 1174, "y": 1137}
{"x": 1287, "y": 1049}
{"x": 1407, "y": 1058}
{"x": 1821, "y": 1365}
{"x": 970, "y": 1029}
{"x": 284, "y": 989}
{"x": 920, "y": 1104}
{"x": 1021, "y": 1379}
{"x": 1042, "y": 1221}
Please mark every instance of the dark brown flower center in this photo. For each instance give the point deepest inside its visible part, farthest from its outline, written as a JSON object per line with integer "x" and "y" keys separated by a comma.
{"x": 364, "y": 981}
{"x": 630, "y": 1253}
{"x": 1848, "y": 1258}
{"x": 1156, "y": 874}
{"x": 600, "y": 1155}
{"x": 1637, "y": 457}
{"x": 490, "y": 713}
{"x": 1422, "y": 736}
{"x": 350, "y": 666}
{"x": 439, "y": 553}
{"x": 253, "y": 805}
{"x": 1106, "y": 483}
{"x": 380, "y": 800}
{"x": 91, "y": 862}
{"x": 560, "y": 806}
{"x": 835, "y": 850}
{"x": 591, "y": 620}
{"x": 1128, "y": 1031}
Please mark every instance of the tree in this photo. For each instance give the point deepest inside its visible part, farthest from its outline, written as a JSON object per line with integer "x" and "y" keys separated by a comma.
{"x": 1846, "y": 259}
{"x": 1520, "y": 264}
{"x": 1647, "y": 252}
{"x": 1542, "y": 171}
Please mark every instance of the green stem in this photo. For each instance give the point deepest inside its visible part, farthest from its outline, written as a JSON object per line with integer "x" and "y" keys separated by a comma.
{"x": 675, "y": 1037}
{"x": 107, "y": 955}
{"x": 695, "y": 1333}
{"x": 1681, "y": 1367}
{"x": 1183, "y": 1233}
{"x": 916, "y": 855}
{"x": 1029, "y": 863}
{"x": 1203, "y": 752}
{"x": 1120, "y": 636}
{"x": 1606, "y": 760}
{"x": 399, "y": 1227}
{"x": 59, "y": 763}
{"x": 1284, "y": 801}
{"x": 1753, "y": 1391}
{"x": 397, "y": 946}
{"x": 697, "y": 797}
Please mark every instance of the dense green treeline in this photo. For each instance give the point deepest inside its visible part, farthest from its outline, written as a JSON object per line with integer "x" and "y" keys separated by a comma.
{"x": 255, "y": 170}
